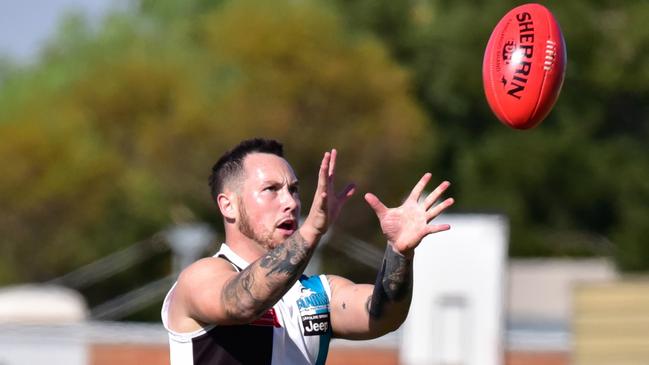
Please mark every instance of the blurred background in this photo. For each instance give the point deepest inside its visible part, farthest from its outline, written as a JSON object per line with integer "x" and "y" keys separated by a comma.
{"x": 113, "y": 112}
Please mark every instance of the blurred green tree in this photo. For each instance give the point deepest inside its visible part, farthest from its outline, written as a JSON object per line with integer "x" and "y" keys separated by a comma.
{"x": 109, "y": 137}
{"x": 572, "y": 186}
{"x": 116, "y": 128}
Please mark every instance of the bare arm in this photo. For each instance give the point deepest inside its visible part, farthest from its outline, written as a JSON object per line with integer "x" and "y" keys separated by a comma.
{"x": 393, "y": 286}
{"x": 364, "y": 311}
{"x": 361, "y": 311}
{"x": 210, "y": 291}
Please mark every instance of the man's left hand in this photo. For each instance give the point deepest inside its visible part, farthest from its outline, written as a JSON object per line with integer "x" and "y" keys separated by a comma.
{"x": 405, "y": 226}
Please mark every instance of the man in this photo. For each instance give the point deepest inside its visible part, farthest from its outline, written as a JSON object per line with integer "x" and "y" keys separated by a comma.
{"x": 250, "y": 303}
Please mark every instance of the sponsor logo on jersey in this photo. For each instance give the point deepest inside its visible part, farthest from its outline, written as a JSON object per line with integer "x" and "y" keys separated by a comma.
{"x": 314, "y": 311}
{"x": 315, "y": 324}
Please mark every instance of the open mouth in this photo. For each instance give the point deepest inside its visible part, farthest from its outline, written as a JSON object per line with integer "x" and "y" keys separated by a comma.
{"x": 289, "y": 226}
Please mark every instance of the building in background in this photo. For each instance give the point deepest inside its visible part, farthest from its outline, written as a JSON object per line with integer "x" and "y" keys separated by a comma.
{"x": 471, "y": 306}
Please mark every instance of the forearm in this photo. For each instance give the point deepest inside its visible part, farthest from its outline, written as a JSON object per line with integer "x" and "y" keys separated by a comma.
{"x": 390, "y": 300}
{"x": 257, "y": 288}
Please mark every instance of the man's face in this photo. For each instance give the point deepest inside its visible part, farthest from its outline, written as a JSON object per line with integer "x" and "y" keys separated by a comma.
{"x": 268, "y": 200}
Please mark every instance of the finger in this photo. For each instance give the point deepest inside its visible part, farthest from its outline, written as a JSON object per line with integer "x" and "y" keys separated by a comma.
{"x": 322, "y": 174}
{"x": 332, "y": 163}
{"x": 419, "y": 188}
{"x": 376, "y": 204}
{"x": 348, "y": 191}
{"x": 438, "y": 209}
{"x": 436, "y": 194}
{"x": 434, "y": 228}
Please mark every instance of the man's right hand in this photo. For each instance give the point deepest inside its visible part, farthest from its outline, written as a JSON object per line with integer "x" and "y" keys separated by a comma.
{"x": 326, "y": 204}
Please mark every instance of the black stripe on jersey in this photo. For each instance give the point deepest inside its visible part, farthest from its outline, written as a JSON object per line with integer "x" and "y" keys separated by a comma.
{"x": 228, "y": 260}
{"x": 234, "y": 345}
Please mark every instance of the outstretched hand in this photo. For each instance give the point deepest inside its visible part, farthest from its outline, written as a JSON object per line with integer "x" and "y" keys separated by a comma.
{"x": 327, "y": 203}
{"x": 405, "y": 226}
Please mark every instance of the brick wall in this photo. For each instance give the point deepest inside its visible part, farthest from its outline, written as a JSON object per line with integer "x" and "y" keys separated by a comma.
{"x": 159, "y": 355}
{"x": 128, "y": 355}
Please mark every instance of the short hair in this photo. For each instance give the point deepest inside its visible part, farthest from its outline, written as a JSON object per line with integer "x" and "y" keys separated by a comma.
{"x": 230, "y": 165}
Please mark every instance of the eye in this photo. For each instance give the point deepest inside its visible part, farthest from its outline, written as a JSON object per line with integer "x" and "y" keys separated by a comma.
{"x": 294, "y": 189}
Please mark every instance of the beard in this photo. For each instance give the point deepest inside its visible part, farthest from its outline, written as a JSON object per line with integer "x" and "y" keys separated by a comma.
{"x": 264, "y": 239}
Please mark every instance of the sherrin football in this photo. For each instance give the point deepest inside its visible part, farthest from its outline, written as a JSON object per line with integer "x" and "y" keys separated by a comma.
{"x": 524, "y": 66}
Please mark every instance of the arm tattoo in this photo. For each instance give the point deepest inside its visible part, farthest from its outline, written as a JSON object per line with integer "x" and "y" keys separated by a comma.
{"x": 261, "y": 284}
{"x": 288, "y": 258}
{"x": 393, "y": 282}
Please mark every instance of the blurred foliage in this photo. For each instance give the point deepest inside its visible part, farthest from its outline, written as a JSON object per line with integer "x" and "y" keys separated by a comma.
{"x": 117, "y": 128}
{"x": 570, "y": 187}
{"x": 113, "y": 130}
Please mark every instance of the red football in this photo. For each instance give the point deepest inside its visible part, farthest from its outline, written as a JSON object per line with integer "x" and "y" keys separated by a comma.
{"x": 524, "y": 66}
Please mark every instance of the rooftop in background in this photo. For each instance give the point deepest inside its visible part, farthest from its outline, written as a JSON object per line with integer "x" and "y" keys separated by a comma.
{"x": 42, "y": 304}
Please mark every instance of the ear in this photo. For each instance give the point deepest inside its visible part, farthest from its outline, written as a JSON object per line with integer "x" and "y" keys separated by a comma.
{"x": 227, "y": 205}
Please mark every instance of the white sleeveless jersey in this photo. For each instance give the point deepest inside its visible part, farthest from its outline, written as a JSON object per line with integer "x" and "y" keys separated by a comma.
{"x": 296, "y": 330}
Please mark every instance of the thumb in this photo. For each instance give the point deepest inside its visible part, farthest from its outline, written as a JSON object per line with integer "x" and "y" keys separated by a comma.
{"x": 376, "y": 204}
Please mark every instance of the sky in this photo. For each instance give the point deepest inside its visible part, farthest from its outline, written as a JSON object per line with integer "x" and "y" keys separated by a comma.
{"x": 26, "y": 24}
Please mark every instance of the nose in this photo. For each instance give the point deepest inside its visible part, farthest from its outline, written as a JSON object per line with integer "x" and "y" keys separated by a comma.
{"x": 290, "y": 201}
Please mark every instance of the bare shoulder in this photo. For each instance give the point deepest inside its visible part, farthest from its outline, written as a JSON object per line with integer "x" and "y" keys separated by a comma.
{"x": 344, "y": 290}
{"x": 341, "y": 286}
{"x": 338, "y": 282}
{"x": 204, "y": 271}
{"x": 193, "y": 299}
